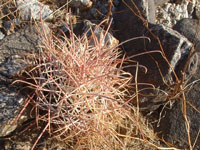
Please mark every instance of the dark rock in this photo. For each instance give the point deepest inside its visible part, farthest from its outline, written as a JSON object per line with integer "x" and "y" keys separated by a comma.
{"x": 20, "y": 42}
{"x": 103, "y": 9}
{"x": 80, "y": 3}
{"x": 11, "y": 102}
{"x": 176, "y": 1}
{"x": 191, "y": 9}
{"x": 87, "y": 28}
{"x": 175, "y": 46}
{"x": 116, "y": 2}
{"x": 156, "y": 97}
{"x": 196, "y": 12}
{"x": 9, "y": 26}
{"x": 25, "y": 142}
{"x": 190, "y": 29}
{"x": 144, "y": 7}
{"x": 173, "y": 125}
{"x": 13, "y": 48}
{"x": 12, "y": 66}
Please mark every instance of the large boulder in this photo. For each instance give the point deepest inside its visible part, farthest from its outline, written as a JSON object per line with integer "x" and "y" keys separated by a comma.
{"x": 13, "y": 48}
{"x": 173, "y": 126}
{"x": 170, "y": 43}
{"x": 21, "y": 42}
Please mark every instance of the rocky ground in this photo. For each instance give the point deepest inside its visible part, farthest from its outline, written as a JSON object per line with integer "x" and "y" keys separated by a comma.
{"x": 162, "y": 36}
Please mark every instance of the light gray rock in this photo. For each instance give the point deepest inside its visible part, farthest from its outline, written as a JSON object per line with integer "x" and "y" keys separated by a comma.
{"x": 160, "y": 2}
{"x": 151, "y": 16}
{"x": 32, "y": 9}
{"x": 1, "y": 35}
{"x": 169, "y": 13}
